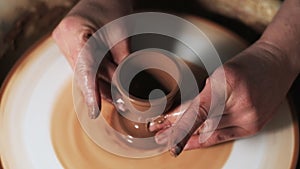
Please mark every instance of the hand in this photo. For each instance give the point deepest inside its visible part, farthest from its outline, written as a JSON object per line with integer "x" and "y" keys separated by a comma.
{"x": 73, "y": 32}
{"x": 256, "y": 83}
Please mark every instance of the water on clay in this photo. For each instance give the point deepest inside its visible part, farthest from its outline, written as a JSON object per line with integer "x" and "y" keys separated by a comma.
{"x": 75, "y": 150}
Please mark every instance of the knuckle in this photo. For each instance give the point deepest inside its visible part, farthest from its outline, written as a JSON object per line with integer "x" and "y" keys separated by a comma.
{"x": 244, "y": 98}
{"x": 74, "y": 25}
{"x": 199, "y": 109}
{"x": 64, "y": 25}
{"x": 209, "y": 142}
{"x": 249, "y": 117}
{"x": 206, "y": 144}
{"x": 232, "y": 77}
{"x": 222, "y": 137}
{"x": 202, "y": 114}
{"x": 82, "y": 68}
{"x": 200, "y": 106}
{"x": 204, "y": 127}
{"x": 218, "y": 137}
{"x": 69, "y": 22}
{"x": 208, "y": 126}
{"x": 85, "y": 34}
{"x": 203, "y": 111}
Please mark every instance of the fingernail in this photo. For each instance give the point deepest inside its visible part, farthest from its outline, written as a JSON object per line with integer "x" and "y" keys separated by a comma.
{"x": 175, "y": 151}
{"x": 158, "y": 123}
{"x": 93, "y": 112}
{"x": 162, "y": 138}
{"x": 151, "y": 126}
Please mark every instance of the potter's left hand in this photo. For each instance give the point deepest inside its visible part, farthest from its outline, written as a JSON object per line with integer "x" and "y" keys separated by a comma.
{"x": 72, "y": 35}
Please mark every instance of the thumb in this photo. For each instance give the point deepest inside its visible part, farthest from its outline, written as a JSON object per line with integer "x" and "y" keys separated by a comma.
{"x": 86, "y": 79}
{"x": 120, "y": 51}
{"x": 179, "y": 134}
{"x": 71, "y": 36}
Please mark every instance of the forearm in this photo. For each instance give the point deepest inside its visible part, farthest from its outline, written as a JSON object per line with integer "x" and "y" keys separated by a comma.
{"x": 284, "y": 35}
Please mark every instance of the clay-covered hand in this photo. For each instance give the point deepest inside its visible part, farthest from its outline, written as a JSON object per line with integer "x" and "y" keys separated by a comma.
{"x": 257, "y": 81}
{"x": 73, "y": 32}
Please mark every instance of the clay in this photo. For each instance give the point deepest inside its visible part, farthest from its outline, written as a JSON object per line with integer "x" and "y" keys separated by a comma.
{"x": 76, "y": 150}
{"x": 137, "y": 80}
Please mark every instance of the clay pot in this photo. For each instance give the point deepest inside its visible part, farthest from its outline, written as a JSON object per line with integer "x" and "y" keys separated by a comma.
{"x": 146, "y": 85}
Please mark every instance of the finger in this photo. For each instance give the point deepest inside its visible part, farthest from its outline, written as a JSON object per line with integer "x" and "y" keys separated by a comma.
{"x": 185, "y": 128}
{"x": 159, "y": 123}
{"x": 216, "y": 123}
{"x": 120, "y": 51}
{"x": 202, "y": 104}
{"x": 247, "y": 120}
{"x": 167, "y": 120}
{"x": 105, "y": 90}
{"x": 216, "y": 137}
{"x": 106, "y": 70}
{"x": 190, "y": 121}
{"x": 70, "y": 35}
{"x": 85, "y": 75}
{"x": 115, "y": 37}
{"x": 87, "y": 84}
{"x": 162, "y": 136}
{"x": 179, "y": 134}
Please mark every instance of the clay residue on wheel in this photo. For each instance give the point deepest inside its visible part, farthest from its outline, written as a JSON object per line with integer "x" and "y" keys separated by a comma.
{"x": 74, "y": 149}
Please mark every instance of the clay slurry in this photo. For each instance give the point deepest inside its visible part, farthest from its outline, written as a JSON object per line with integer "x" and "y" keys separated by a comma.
{"x": 76, "y": 150}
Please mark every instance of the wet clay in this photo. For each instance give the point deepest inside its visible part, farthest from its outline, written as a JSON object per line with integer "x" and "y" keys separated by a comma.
{"x": 144, "y": 82}
{"x": 74, "y": 149}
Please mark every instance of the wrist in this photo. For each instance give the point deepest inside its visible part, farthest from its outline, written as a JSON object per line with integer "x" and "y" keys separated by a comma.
{"x": 264, "y": 66}
{"x": 282, "y": 35}
{"x": 283, "y": 60}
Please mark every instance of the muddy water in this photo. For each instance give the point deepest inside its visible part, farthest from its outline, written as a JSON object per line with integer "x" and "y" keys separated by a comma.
{"x": 75, "y": 150}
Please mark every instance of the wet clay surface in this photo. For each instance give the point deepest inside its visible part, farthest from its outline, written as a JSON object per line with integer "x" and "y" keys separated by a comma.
{"x": 75, "y": 150}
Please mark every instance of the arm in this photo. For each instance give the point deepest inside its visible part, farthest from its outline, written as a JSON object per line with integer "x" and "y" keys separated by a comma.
{"x": 284, "y": 34}
{"x": 257, "y": 80}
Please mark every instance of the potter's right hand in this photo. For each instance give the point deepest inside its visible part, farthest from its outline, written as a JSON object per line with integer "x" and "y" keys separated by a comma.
{"x": 257, "y": 81}
{"x": 73, "y": 32}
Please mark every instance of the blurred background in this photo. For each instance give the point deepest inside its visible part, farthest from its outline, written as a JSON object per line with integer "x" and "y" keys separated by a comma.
{"x": 24, "y": 22}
